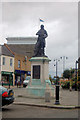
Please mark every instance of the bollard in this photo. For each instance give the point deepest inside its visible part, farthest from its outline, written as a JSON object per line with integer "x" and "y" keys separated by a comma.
{"x": 57, "y": 95}
{"x": 47, "y": 97}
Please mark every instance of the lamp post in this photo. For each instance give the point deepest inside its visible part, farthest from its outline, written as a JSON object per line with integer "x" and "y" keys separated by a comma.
{"x": 64, "y": 58}
{"x": 57, "y": 84}
{"x": 76, "y": 75}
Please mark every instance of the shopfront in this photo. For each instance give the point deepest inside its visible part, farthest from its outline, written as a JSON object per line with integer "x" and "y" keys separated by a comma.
{"x": 20, "y": 75}
{"x": 7, "y": 78}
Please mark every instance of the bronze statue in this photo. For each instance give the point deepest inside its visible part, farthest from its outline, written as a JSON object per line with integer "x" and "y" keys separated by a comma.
{"x": 40, "y": 45}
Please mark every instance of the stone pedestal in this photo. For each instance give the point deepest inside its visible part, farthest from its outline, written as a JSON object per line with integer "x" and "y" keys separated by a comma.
{"x": 40, "y": 82}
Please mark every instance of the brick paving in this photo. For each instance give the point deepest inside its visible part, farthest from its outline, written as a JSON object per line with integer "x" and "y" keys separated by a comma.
{"x": 67, "y": 98}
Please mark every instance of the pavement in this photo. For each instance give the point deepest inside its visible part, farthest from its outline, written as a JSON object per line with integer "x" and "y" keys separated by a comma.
{"x": 68, "y": 99}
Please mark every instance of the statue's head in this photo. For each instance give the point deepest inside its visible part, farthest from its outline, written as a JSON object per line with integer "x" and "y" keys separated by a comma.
{"x": 42, "y": 26}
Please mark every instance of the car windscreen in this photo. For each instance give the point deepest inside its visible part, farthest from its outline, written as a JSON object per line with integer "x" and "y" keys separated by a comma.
{"x": 27, "y": 78}
{"x": 2, "y": 89}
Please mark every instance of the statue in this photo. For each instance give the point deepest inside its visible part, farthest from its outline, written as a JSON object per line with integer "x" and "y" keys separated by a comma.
{"x": 40, "y": 45}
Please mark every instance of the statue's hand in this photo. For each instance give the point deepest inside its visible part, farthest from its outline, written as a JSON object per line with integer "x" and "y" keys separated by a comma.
{"x": 45, "y": 36}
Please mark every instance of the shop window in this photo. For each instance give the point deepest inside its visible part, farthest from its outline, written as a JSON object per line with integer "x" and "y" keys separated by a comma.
{"x": 10, "y": 62}
{"x": 3, "y": 60}
{"x": 18, "y": 63}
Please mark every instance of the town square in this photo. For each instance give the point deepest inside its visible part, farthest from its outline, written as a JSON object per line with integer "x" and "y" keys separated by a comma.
{"x": 39, "y": 60}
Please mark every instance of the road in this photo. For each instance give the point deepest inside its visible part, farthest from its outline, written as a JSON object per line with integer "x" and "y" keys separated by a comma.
{"x": 22, "y": 111}
{"x": 0, "y": 115}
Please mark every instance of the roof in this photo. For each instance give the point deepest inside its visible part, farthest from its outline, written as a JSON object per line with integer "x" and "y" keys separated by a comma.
{"x": 21, "y": 40}
{"x": 22, "y": 45}
{"x": 22, "y": 49}
{"x": 6, "y": 51}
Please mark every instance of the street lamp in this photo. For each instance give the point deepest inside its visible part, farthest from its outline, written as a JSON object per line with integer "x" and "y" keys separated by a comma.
{"x": 76, "y": 75}
{"x": 57, "y": 84}
{"x": 63, "y": 58}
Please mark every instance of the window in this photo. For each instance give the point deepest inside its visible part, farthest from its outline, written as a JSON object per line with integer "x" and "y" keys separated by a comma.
{"x": 18, "y": 63}
{"x": 3, "y": 60}
{"x": 10, "y": 62}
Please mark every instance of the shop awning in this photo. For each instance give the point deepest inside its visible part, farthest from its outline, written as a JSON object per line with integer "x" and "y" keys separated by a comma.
{"x": 5, "y": 72}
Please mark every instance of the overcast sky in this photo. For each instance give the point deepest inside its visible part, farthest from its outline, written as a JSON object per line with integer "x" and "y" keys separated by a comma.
{"x": 60, "y": 21}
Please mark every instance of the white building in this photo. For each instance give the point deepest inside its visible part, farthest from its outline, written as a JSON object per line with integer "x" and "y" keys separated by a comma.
{"x": 21, "y": 46}
{"x": 6, "y": 65}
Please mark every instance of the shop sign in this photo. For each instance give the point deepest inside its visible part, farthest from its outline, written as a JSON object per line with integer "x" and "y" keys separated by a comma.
{"x": 8, "y": 73}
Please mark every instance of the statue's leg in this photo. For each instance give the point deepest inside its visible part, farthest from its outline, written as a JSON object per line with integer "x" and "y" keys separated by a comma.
{"x": 42, "y": 47}
{"x": 38, "y": 48}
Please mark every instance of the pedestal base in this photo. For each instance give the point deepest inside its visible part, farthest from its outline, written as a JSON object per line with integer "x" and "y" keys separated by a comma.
{"x": 40, "y": 90}
{"x": 40, "y": 83}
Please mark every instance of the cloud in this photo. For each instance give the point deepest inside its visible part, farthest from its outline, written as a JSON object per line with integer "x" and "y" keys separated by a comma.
{"x": 61, "y": 23}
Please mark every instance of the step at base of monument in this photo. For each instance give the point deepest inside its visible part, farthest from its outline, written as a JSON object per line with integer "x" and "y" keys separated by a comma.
{"x": 39, "y": 91}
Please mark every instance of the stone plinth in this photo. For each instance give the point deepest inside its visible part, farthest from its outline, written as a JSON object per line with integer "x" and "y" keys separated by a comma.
{"x": 41, "y": 65}
{"x": 40, "y": 82}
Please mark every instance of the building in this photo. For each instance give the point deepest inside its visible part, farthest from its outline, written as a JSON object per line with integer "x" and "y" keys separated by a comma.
{"x": 0, "y": 62}
{"x": 79, "y": 63}
{"x": 22, "y": 45}
{"x": 22, "y": 67}
{"x": 6, "y": 66}
{"x": 23, "y": 49}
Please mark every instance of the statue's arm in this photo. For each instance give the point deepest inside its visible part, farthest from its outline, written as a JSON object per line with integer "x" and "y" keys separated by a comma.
{"x": 37, "y": 33}
{"x": 45, "y": 35}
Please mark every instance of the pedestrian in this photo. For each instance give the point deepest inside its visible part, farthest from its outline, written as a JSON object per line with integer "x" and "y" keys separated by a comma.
{"x": 2, "y": 83}
{"x": 17, "y": 83}
{"x": 9, "y": 85}
{"x": 70, "y": 88}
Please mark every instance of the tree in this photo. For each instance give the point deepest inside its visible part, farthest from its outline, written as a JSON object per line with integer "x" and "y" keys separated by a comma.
{"x": 66, "y": 73}
{"x": 50, "y": 78}
{"x": 72, "y": 71}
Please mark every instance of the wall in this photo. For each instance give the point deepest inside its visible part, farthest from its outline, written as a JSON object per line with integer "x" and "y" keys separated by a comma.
{"x": 7, "y": 66}
{"x": 26, "y": 66}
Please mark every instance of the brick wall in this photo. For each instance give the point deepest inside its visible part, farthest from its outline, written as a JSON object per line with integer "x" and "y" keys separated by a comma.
{"x": 24, "y": 65}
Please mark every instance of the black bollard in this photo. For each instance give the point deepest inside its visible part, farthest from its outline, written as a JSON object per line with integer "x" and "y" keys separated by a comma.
{"x": 75, "y": 86}
{"x": 57, "y": 95}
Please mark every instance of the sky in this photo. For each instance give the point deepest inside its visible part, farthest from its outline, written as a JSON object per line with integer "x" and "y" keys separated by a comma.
{"x": 21, "y": 19}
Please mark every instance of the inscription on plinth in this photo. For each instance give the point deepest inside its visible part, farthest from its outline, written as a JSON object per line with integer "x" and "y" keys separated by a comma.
{"x": 36, "y": 72}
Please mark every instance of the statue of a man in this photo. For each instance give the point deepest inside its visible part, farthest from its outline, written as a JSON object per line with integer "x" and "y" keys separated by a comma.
{"x": 40, "y": 45}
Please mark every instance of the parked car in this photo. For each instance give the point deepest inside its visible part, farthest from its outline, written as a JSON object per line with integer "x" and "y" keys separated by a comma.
{"x": 26, "y": 81}
{"x": 6, "y": 96}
